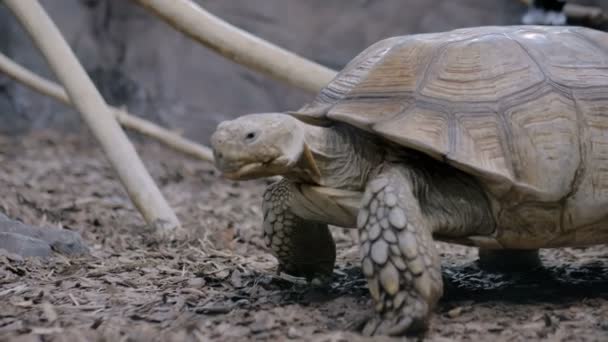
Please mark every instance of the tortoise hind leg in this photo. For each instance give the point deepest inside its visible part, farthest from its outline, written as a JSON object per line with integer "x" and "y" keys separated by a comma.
{"x": 508, "y": 260}
{"x": 303, "y": 248}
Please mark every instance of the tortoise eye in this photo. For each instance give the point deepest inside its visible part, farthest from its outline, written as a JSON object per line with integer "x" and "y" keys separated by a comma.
{"x": 250, "y": 136}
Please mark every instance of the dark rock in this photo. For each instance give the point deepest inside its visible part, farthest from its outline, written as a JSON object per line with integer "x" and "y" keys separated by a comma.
{"x": 27, "y": 240}
{"x": 24, "y": 245}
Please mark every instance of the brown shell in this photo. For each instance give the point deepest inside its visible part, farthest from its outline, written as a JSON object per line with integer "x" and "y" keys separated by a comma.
{"x": 523, "y": 108}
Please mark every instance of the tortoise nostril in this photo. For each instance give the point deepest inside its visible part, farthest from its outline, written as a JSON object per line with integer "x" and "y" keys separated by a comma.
{"x": 219, "y": 155}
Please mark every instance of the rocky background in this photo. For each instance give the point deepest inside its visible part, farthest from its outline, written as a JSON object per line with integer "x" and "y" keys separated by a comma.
{"x": 140, "y": 62}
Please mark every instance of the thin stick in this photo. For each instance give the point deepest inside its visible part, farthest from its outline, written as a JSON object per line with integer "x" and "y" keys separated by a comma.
{"x": 82, "y": 92}
{"x": 240, "y": 46}
{"x": 51, "y": 89}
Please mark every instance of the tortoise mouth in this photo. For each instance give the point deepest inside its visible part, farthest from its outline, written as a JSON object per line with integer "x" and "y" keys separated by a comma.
{"x": 243, "y": 171}
{"x": 256, "y": 169}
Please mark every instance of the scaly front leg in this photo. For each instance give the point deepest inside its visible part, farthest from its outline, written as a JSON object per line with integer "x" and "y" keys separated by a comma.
{"x": 399, "y": 257}
{"x": 304, "y": 248}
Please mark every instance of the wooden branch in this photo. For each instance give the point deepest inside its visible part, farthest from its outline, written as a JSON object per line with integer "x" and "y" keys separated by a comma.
{"x": 51, "y": 89}
{"x": 85, "y": 97}
{"x": 163, "y": 135}
{"x": 240, "y": 46}
{"x": 579, "y": 12}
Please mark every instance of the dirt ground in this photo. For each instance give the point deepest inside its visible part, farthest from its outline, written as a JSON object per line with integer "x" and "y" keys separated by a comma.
{"x": 221, "y": 284}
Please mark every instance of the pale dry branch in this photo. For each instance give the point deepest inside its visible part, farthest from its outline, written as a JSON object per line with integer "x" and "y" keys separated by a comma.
{"x": 579, "y": 12}
{"x": 51, "y": 89}
{"x": 240, "y": 46}
{"x": 82, "y": 93}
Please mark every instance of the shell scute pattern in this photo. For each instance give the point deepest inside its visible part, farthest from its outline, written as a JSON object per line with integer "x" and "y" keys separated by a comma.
{"x": 508, "y": 105}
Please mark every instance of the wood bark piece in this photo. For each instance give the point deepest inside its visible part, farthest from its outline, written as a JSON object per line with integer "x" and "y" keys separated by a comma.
{"x": 240, "y": 46}
{"x": 122, "y": 155}
{"x": 51, "y": 89}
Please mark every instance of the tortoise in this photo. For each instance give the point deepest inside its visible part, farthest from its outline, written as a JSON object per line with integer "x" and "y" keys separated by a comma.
{"x": 495, "y": 137}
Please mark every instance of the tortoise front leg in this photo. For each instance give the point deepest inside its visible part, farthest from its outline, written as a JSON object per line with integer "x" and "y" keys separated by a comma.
{"x": 304, "y": 248}
{"x": 399, "y": 257}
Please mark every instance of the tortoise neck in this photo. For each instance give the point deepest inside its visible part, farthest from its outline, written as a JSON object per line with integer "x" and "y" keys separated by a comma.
{"x": 345, "y": 156}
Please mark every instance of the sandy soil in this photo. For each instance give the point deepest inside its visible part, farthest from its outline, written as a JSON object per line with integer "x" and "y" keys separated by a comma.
{"x": 221, "y": 284}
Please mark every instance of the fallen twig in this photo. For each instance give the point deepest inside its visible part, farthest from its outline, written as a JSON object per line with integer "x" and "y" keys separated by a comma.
{"x": 14, "y": 291}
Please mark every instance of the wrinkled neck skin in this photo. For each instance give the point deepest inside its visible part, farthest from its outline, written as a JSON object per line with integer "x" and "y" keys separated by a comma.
{"x": 345, "y": 157}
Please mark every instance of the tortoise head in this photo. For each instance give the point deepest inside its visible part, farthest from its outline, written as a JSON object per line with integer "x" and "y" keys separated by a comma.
{"x": 259, "y": 145}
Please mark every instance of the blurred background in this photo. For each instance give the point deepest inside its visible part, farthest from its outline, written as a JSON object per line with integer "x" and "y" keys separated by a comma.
{"x": 139, "y": 62}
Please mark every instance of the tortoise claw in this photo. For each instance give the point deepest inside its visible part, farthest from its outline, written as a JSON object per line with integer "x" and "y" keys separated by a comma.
{"x": 408, "y": 323}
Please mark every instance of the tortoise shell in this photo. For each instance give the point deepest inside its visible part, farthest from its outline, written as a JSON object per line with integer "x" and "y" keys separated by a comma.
{"x": 523, "y": 108}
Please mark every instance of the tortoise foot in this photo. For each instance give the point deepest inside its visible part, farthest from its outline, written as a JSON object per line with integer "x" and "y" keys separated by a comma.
{"x": 412, "y": 319}
{"x": 508, "y": 260}
{"x": 27, "y": 240}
